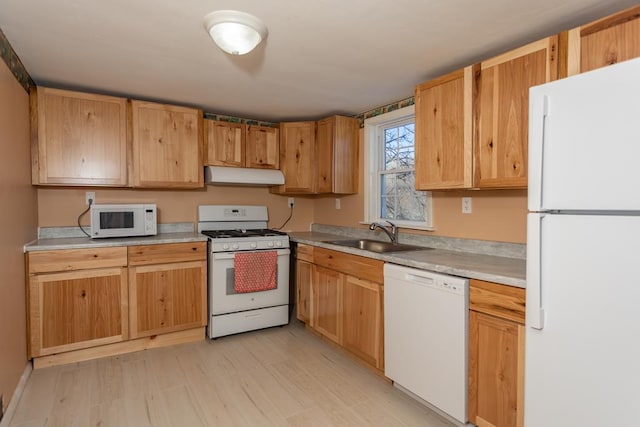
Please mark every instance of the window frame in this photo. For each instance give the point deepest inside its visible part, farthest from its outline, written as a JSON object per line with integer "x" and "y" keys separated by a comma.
{"x": 373, "y": 146}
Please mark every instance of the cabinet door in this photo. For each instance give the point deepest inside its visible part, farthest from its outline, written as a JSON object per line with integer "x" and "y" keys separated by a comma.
{"x": 167, "y": 297}
{"x": 337, "y": 155}
{"x": 327, "y": 303}
{"x": 297, "y": 158}
{"x": 304, "y": 280}
{"x": 503, "y": 113}
{"x": 167, "y": 146}
{"x": 77, "y": 309}
{"x": 362, "y": 322}
{"x": 262, "y": 147}
{"x": 496, "y": 371}
{"x": 607, "y": 41}
{"x": 444, "y": 140}
{"x": 78, "y": 138}
{"x": 225, "y": 143}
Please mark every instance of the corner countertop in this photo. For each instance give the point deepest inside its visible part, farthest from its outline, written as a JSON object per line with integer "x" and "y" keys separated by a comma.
{"x": 497, "y": 269}
{"x": 49, "y": 244}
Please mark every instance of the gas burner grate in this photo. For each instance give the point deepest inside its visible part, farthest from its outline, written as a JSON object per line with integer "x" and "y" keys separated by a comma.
{"x": 225, "y": 234}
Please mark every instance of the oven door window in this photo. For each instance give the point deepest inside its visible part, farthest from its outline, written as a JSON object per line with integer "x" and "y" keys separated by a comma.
{"x": 231, "y": 281}
{"x": 222, "y": 295}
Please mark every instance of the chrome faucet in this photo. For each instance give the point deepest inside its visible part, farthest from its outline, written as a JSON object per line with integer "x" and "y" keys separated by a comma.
{"x": 393, "y": 234}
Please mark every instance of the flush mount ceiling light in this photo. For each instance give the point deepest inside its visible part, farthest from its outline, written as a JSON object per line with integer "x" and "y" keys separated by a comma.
{"x": 235, "y": 32}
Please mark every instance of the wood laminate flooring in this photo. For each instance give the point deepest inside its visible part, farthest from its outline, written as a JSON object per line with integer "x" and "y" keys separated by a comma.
{"x": 275, "y": 377}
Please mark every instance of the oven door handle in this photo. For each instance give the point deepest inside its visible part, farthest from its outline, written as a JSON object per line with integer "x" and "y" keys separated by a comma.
{"x": 231, "y": 255}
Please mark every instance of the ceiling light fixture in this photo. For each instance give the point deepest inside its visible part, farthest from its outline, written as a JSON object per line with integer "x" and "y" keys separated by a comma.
{"x": 235, "y": 32}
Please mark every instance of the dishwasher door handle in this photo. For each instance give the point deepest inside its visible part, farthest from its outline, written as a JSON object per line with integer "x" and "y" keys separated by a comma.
{"x": 420, "y": 280}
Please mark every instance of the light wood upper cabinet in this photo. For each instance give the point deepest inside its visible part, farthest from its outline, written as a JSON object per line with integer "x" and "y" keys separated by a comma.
{"x": 224, "y": 143}
{"x": 167, "y": 146}
{"x": 496, "y": 354}
{"x": 337, "y": 155}
{"x": 319, "y": 157}
{"x": 239, "y": 145}
{"x": 78, "y": 138}
{"x": 502, "y": 118}
{"x": 607, "y": 41}
{"x": 444, "y": 140}
{"x": 297, "y": 158}
{"x": 77, "y": 298}
{"x": 167, "y": 288}
{"x": 262, "y": 147}
{"x": 472, "y": 124}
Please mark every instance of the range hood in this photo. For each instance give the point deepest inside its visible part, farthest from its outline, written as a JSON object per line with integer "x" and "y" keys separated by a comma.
{"x": 222, "y": 175}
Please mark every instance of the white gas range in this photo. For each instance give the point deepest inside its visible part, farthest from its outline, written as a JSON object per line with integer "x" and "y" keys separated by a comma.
{"x": 248, "y": 269}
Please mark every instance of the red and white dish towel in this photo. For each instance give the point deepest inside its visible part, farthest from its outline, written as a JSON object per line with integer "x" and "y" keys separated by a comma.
{"x": 255, "y": 271}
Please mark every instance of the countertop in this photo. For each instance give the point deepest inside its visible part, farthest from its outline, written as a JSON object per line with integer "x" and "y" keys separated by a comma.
{"x": 87, "y": 243}
{"x": 503, "y": 270}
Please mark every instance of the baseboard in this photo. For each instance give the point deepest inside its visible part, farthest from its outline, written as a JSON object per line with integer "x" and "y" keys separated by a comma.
{"x": 17, "y": 395}
{"x": 114, "y": 349}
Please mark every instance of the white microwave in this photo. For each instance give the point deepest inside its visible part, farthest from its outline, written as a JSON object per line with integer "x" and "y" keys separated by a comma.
{"x": 123, "y": 220}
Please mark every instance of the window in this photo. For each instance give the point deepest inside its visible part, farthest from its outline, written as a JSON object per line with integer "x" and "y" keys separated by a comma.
{"x": 390, "y": 172}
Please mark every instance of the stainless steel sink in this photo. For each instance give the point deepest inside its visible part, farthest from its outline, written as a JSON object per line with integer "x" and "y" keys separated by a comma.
{"x": 375, "y": 245}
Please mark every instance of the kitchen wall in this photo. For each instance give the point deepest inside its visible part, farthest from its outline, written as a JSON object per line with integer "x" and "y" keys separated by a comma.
{"x": 61, "y": 206}
{"x": 18, "y": 221}
{"x": 498, "y": 215}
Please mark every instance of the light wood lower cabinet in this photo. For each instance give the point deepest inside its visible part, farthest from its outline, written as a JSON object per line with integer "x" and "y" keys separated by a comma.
{"x": 327, "y": 303}
{"x": 496, "y": 355}
{"x": 304, "y": 278}
{"x": 167, "y": 288}
{"x": 87, "y": 303}
{"x": 77, "y": 299}
{"x": 339, "y": 295}
{"x": 362, "y": 332}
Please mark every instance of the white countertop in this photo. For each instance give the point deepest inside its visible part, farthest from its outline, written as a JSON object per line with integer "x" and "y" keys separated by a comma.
{"x": 497, "y": 269}
{"x": 86, "y": 242}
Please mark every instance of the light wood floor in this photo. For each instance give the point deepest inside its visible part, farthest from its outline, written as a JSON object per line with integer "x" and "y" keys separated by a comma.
{"x": 280, "y": 376}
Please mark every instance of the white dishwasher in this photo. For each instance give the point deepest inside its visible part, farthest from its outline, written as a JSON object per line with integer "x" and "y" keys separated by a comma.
{"x": 426, "y": 336}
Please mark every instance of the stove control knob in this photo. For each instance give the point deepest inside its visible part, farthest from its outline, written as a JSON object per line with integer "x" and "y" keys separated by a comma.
{"x": 253, "y": 245}
{"x": 278, "y": 243}
{"x": 235, "y": 246}
{"x": 225, "y": 246}
{"x": 270, "y": 244}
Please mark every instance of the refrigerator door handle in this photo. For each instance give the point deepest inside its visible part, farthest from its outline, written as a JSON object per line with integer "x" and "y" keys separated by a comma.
{"x": 545, "y": 114}
{"x": 534, "y": 308}
{"x": 538, "y": 129}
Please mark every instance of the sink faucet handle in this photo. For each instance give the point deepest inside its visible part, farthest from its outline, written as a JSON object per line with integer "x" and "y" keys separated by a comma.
{"x": 394, "y": 231}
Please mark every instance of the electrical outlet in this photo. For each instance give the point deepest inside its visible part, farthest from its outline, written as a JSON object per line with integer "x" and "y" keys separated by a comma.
{"x": 466, "y": 205}
{"x": 337, "y": 203}
{"x": 89, "y": 197}
{"x": 290, "y": 202}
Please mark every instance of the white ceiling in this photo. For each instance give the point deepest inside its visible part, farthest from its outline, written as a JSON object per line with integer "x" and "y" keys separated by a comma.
{"x": 321, "y": 56}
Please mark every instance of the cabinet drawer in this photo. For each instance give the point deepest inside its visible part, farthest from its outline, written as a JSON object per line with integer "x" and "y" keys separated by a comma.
{"x": 506, "y": 302}
{"x": 76, "y": 259}
{"x": 172, "y": 252}
{"x": 354, "y": 265}
{"x": 304, "y": 253}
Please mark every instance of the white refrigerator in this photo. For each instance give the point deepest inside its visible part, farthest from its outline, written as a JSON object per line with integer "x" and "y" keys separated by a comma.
{"x": 582, "y": 352}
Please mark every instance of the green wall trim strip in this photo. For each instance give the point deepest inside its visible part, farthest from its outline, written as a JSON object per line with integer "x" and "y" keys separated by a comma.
{"x": 12, "y": 60}
{"x": 384, "y": 109}
{"x": 232, "y": 119}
